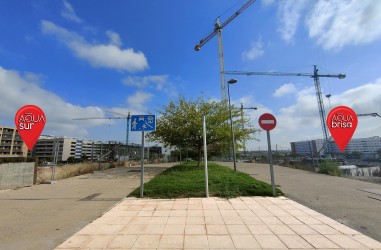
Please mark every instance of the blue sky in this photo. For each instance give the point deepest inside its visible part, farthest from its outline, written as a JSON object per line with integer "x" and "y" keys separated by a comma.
{"x": 79, "y": 59}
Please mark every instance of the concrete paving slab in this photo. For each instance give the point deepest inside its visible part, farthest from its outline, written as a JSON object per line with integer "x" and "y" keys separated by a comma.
{"x": 230, "y": 224}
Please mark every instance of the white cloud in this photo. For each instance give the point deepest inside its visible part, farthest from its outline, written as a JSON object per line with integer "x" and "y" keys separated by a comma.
{"x": 301, "y": 121}
{"x": 114, "y": 38}
{"x": 157, "y": 81}
{"x": 98, "y": 55}
{"x": 335, "y": 24}
{"x": 285, "y": 89}
{"x": 254, "y": 52}
{"x": 139, "y": 100}
{"x": 69, "y": 13}
{"x": 17, "y": 90}
{"x": 289, "y": 13}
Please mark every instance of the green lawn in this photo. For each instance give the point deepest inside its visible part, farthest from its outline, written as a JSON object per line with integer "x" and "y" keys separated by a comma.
{"x": 188, "y": 180}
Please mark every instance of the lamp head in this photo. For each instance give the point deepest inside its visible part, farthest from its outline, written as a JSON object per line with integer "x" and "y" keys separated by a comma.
{"x": 232, "y": 81}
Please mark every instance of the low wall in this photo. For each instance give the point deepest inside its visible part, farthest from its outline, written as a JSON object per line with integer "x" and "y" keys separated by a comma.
{"x": 15, "y": 175}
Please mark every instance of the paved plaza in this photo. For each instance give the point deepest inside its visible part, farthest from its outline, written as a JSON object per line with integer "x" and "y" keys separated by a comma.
{"x": 216, "y": 223}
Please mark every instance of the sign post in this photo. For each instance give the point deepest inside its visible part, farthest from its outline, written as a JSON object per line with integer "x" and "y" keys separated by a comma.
{"x": 268, "y": 122}
{"x": 143, "y": 123}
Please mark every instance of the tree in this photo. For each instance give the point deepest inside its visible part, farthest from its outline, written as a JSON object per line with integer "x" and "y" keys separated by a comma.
{"x": 180, "y": 125}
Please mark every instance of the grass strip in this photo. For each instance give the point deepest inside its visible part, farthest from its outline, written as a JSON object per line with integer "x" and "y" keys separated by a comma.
{"x": 188, "y": 180}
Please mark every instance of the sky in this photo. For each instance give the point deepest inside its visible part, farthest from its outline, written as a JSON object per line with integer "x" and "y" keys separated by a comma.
{"x": 79, "y": 59}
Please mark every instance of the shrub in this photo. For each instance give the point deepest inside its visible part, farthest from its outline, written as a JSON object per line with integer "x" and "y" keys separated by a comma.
{"x": 329, "y": 167}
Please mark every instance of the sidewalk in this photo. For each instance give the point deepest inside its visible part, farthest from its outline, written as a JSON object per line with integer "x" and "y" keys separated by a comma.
{"x": 215, "y": 223}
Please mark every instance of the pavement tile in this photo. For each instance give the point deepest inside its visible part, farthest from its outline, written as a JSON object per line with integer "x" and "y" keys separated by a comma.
{"x": 296, "y": 212}
{"x": 289, "y": 220}
{"x": 99, "y": 241}
{"x": 147, "y": 241}
{"x": 294, "y": 241}
{"x": 213, "y": 220}
{"x": 271, "y": 220}
{"x": 159, "y": 220}
{"x": 228, "y": 212}
{"x": 145, "y": 213}
{"x": 209, "y": 206}
{"x": 302, "y": 229}
{"x": 196, "y": 242}
{"x": 245, "y": 241}
{"x": 366, "y": 241}
{"x": 281, "y": 229}
{"x": 324, "y": 229}
{"x": 158, "y": 213}
{"x": 326, "y": 220}
{"x": 133, "y": 229}
{"x": 216, "y": 229}
{"x": 153, "y": 229}
{"x": 195, "y": 220}
{"x": 195, "y": 212}
{"x": 319, "y": 241}
{"x": 309, "y": 220}
{"x": 178, "y": 213}
{"x": 122, "y": 242}
{"x": 252, "y": 220}
{"x": 180, "y": 206}
{"x": 269, "y": 241}
{"x": 180, "y": 220}
{"x": 232, "y": 220}
{"x": 75, "y": 241}
{"x": 216, "y": 223}
{"x": 212, "y": 213}
{"x": 194, "y": 206}
{"x": 262, "y": 212}
{"x": 259, "y": 229}
{"x": 220, "y": 241}
{"x": 238, "y": 229}
{"x": 174, "y": 229}
{"x": 345, "y": 241}
{"x": 195, "y": 229}
{"x": 171, "y": 241}
{"x": 245, "y": 212}
{"x": 344, "y": 229}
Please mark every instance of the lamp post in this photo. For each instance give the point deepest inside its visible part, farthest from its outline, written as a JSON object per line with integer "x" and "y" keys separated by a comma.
{"x": 243, "y": 126}
{"x": 232, "y": 81}
{"x": 329, "y": 101}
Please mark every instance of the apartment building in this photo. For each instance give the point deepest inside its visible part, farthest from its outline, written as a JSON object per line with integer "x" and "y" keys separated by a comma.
{"x": 366, "y": 146}
{"x": 11, "y": 144}
{"x": 66, "y": 148}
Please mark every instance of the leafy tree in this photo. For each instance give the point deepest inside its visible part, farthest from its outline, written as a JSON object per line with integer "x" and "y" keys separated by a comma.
{"x": 180, "y": 125}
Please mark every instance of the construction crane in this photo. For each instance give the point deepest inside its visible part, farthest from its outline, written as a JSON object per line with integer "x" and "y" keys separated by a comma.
{"x": 127, "y": 117}
{"x": 218, "y": 30}
{"x": 315, "y": 76}
{"x": 369, "y": 114}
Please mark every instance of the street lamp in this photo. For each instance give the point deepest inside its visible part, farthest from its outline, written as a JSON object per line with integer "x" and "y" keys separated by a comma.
{"x": 329, "y": 100}
{"x": 243, "y": 126}
{"x": 232, "y": 81}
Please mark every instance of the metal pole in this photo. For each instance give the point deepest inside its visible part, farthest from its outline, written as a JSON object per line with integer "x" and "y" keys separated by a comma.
{"x": 126, "y": 156}
{"x": 221, "y": 59}
{"x": 243, "y": 127}
{"x": 142, "y": 168}
{"x": 271, "y": 163}
{"x": 205, "y": 158}
{"x": 232, "y": 131}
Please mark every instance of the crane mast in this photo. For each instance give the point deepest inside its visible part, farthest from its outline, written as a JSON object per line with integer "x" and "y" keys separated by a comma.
{"x": 218, "y": 31}
{"x": 319, "y": 98}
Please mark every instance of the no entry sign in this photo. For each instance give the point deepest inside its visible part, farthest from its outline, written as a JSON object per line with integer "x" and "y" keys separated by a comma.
{"x": 267, "y": 121}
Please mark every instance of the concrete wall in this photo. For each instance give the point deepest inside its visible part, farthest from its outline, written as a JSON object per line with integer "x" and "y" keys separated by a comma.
{"x": 14, "y": 175}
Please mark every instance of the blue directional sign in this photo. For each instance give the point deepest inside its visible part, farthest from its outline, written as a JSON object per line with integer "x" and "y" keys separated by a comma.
{"x": 143, "y": 123}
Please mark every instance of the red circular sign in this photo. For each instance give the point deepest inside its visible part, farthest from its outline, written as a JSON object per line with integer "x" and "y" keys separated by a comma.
{"x": 267, "y": 121}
